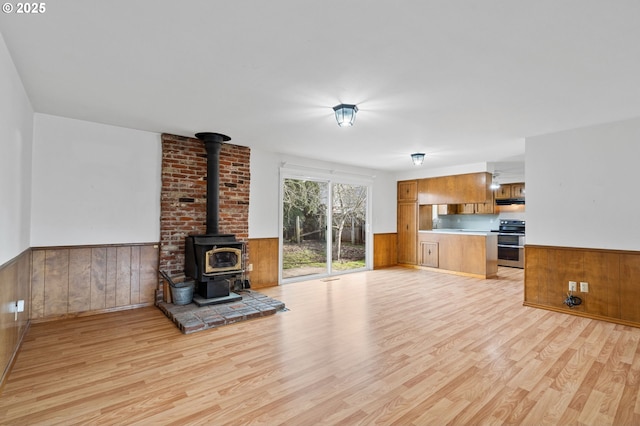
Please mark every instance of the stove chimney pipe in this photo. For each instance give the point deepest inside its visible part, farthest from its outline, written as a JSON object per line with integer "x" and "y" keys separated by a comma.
{"x": 213, "y": 143}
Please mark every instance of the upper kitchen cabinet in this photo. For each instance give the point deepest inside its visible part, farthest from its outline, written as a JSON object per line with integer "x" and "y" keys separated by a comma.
{"x": 456, "y": 189}
{"x": 445, "y": 209}
{"x": 517, "y": 190}
{"x": 407, "y": 190}
{"x": 503, "y": 192}
{"x": 486, "y": 208}
{"x": 511, "y": 190}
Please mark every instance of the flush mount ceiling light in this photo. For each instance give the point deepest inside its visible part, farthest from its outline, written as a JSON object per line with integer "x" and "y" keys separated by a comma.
{"x": 345, "y": 114}
{"x": 417, "y": 158}
{"x": 494, "y": 182}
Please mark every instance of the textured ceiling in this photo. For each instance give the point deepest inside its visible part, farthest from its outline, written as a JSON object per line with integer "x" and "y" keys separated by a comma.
{"x": 463, "y": 81}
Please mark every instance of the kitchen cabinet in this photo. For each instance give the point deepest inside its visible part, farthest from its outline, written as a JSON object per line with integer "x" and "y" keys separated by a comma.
{"x": 429, "y": 254}
{"x": 445, "y": 209}
{"x": 468, "y": 208}
{"x": 503, "y": 192}
{"x": 407, "y": 232}
{"x": 486, "y": 208}
{"x": 455, "y": 189}
{"x": 425, "y": 218}
{"x": 517, "y": 190}
{"x": 408, "y": 190}
{"x": 468, "y": 253}
{"x": 407, "y": 226}
{"x": 509, "y": 190}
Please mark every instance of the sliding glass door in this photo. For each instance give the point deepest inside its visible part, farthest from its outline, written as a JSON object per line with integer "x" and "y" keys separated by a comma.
{"x": 304, "y": 227}
{"x": 349, "y": 215}
{"x": 324, "y": 228}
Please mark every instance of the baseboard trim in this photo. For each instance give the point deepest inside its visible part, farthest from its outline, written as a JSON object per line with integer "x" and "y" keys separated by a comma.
{"x": 90, "y": 313}
{"x": 581, "y": 314}
{"x": 14, "y": 356}
{"x": 447, "y": 271}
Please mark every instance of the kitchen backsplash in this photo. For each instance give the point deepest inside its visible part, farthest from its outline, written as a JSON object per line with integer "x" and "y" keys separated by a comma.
{"x": 484, "y": 222}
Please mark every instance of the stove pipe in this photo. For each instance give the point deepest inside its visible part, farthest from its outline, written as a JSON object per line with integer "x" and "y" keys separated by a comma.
{"x": 213, "y": 143}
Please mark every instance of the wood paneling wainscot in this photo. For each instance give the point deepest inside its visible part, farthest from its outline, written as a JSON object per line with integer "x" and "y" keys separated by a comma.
{"x": 265, "y": 258}
{"x": 385, "y": 250}
{"x": 613, "y": 277}
{"x": 14, "y": 285}
{"x": 70, "y": 281}
{"x": 265, "y": 262}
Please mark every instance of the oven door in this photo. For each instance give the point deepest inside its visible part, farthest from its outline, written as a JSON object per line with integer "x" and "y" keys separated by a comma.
{"x": 510, "y": 239}
{"x": 511, "y": 250}
{"x": 512, "y": 256}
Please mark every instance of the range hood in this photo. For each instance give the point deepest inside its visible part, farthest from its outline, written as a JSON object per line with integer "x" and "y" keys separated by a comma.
{"x": 509, "y": 201}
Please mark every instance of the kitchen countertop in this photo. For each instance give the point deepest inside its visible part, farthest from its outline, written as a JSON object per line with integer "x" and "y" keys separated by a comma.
{"x": 460, "y": 231}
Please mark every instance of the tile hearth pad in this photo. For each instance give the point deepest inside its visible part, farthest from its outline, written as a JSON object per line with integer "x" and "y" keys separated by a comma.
{"x": 191, "y": 318}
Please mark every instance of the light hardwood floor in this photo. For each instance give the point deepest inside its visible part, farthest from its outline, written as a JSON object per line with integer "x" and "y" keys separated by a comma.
{"x": 393, "y": 346}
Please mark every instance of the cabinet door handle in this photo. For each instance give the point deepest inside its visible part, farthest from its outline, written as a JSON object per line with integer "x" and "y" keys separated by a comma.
{"x": 407, "y": 227}
{"x": 429, "y": 252}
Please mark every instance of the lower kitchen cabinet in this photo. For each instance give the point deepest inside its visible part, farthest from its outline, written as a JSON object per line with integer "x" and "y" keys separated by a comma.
{"x": 468, "y": 253}
{"x": 429, "y": 254}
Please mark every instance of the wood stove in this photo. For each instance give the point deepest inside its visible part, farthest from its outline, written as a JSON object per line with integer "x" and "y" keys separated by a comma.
{"x": 214, "y": 261}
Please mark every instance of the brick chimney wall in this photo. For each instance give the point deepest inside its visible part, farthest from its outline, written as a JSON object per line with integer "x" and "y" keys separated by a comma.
{"x": 184, "y": 193}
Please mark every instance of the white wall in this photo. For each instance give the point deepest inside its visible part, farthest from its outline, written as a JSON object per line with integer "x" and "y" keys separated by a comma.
{"x": 16, "y": 136}
{"x": 582, "y": 187}
{"x": 100, "y": 184}
{"x": 94, "y": 183}
{"x": 264, "y": 221}
{"x": 264, "y": 194}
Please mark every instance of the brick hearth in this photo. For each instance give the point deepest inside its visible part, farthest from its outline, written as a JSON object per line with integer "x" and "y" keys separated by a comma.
{"x": 191, "y": 318}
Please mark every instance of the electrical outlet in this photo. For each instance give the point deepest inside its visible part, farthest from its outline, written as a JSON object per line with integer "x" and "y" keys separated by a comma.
{"x": 573, "y": 286}
{"x": 584, "y": 286}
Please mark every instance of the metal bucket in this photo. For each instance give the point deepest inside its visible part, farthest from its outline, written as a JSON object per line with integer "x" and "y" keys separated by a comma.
{"x": 182, "y": 293}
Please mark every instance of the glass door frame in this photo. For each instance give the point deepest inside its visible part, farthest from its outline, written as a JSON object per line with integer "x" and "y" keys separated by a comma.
{"x": 330, "y": 178}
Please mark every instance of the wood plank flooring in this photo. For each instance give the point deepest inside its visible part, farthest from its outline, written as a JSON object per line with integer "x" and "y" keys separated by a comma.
{"x": 393, "y": 346}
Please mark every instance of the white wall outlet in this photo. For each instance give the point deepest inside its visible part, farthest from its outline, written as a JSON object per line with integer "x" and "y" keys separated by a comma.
{"x": 250, "y": 267}
{"x": 584, "y": 286}
{"x": 573, "y": 286}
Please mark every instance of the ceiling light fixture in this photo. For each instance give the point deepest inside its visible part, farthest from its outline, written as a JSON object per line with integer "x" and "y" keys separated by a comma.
{"x": 494, "y": 182}
{"x": 417, "y": 158}
{"x": 345, "y": 114}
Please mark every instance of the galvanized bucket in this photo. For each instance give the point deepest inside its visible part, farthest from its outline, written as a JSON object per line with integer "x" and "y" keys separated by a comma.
{"x": 182, "y": 293}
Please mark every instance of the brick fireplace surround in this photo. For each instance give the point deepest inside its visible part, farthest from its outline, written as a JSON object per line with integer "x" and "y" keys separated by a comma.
{"x": 183, "y": 196}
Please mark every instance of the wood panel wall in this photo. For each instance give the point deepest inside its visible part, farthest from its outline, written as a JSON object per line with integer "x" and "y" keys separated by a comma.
{"x": 385, "y": 250}
{"x": 613, "y": 277}
{"x": 68, "y": 281}
{"x": 265, "y": 257}
{"x": 14, "y": 285}
{"x": 265, "y": 262}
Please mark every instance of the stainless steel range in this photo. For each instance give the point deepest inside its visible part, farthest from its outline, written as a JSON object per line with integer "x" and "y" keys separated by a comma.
{"x": 511, "y": 239}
